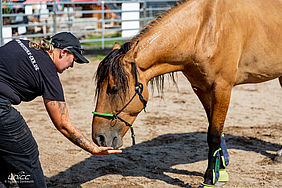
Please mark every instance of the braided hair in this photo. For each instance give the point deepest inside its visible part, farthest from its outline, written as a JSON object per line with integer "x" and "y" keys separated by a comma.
{"x": 43, "y": 44}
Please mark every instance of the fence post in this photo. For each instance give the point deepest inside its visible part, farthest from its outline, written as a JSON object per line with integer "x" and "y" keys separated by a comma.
{"x": 130, "y": 18}
{"x": 103, "y": 23}
{"x": 1, "y": 24}
{"x": 69, "y": 19}
{"x": 144, "y": 13}
{"x": 54, "y": 17}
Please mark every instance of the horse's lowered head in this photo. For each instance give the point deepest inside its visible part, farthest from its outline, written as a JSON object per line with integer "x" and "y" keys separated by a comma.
{"x": 121, "y": 95}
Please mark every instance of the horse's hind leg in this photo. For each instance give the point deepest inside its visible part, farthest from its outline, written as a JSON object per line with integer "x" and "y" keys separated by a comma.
{"x": 278, "y": 158}
{"x": 215, "y": 102}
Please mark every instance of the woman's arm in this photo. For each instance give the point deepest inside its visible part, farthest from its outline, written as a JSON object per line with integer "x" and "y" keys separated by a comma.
{"x": 59, "y": 115}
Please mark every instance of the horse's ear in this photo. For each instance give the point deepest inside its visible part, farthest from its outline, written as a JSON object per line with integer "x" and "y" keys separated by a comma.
{"x": 135, "y": 49}
{"x": 116, "y": 46}
{"x": 130, "y": 55}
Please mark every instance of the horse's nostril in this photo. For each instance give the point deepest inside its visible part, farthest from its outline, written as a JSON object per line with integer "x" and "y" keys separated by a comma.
{"x": 115, "y": 140}
{"x": 101, "y": 140}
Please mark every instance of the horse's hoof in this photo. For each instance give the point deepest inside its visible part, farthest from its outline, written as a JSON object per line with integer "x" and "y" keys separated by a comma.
{"x": 220, "y": 183}
{"x": 203, "y": 185}
{"x": 223, "y": 177}
{"x": 278, "y": 157}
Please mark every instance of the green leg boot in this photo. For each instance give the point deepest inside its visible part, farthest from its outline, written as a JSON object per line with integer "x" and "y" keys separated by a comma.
{"x": 221, "y": 160}
{"x": 223, "y": 175}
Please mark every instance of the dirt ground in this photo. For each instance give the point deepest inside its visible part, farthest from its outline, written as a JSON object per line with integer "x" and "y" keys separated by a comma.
{"x": 171, "y": 148}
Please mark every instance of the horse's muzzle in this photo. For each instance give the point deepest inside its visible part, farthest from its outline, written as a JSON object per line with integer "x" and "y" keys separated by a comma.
{"x": 108, "y": 141}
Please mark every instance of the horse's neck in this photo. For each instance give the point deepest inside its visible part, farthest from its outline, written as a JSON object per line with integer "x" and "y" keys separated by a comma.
{"x": 168, "y": 45}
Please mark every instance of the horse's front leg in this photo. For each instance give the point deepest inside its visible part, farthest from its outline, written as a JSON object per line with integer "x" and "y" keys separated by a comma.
{"x": 220, "y": 98}
{"x": 215, "y": 102}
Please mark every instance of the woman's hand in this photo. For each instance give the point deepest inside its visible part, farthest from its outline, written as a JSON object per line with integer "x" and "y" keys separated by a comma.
{"x": 104, "y": 150}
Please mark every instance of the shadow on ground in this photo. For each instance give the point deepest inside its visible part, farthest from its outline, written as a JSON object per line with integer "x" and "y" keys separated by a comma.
{"x": 153, "y": 158}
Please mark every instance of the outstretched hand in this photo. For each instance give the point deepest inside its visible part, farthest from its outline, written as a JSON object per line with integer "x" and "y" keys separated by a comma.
{"x": 105, "y": 151}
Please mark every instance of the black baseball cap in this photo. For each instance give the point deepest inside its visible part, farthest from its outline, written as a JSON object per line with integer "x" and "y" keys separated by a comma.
{"x": 66, "y": 40}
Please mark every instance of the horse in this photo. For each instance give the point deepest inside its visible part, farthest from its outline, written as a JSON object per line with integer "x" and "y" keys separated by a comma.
{"x": 216, "y": 44}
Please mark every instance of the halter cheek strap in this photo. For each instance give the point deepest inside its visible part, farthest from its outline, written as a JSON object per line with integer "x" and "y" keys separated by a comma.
{"x": 138, "y": 90}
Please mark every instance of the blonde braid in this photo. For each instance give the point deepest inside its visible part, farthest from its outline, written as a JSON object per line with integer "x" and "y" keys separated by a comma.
{"x": 43, "y": 44}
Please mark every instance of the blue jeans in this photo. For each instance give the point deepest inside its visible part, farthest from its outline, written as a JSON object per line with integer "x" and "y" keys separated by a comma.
{"x": 18, "y": 150}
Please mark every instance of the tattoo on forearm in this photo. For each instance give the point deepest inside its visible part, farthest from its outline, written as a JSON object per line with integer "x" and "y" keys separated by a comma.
{"x": 80, "y": 141}
{"x": 62, "y": 108}
{"x": 72, "y": 133}
{"x": 63, "y": 112}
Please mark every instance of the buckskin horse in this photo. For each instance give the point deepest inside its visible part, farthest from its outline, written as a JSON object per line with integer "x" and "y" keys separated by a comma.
{"x": 216, "y": 44}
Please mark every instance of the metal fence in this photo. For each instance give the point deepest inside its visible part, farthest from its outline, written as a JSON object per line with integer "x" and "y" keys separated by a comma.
{"x": 93, "y": 21}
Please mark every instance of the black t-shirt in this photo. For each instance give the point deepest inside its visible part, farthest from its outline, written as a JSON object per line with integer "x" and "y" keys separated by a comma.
{"x": 26, "y": 73}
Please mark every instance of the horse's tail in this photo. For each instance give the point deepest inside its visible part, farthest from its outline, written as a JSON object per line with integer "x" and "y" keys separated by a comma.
{"x": 280, "y": 80}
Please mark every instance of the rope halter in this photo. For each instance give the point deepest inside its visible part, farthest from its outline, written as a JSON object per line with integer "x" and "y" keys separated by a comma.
{"x": 138, "y": 90}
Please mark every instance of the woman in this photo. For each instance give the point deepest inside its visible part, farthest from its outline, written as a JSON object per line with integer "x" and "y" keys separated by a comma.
{"x": 27, "y": 70}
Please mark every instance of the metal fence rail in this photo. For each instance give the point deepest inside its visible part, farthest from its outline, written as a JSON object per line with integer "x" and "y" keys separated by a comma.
{"x": 43, "y": 18}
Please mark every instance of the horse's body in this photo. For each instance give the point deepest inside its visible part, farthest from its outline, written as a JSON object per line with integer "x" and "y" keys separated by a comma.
{"x": 217, "y": 44}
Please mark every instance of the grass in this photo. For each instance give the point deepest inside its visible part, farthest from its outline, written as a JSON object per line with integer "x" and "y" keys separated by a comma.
{"x": 98, "y": 45}
{"x": 96, "y": 58}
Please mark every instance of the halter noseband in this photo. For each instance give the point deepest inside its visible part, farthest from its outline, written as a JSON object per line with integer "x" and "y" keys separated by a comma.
{"x": 138, "y": 90}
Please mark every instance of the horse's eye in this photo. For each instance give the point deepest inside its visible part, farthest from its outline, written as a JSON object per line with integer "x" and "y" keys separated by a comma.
{"x": 114, "y": 89}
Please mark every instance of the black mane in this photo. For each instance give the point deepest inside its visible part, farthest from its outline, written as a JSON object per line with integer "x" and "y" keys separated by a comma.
{"x": 111, "y": 65}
